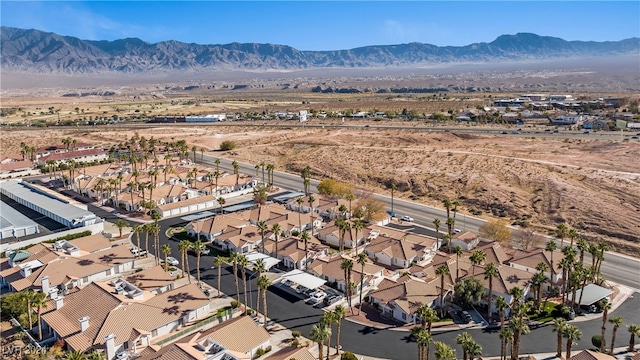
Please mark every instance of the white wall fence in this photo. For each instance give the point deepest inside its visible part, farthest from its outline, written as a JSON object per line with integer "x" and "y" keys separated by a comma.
{"x": 95, "y": 228}
{"x": 19, "y": 174}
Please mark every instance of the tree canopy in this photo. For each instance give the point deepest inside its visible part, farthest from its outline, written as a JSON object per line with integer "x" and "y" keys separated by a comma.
{"x": 334, "y": 188}
{"x": 468, "y": 292}
{"x": 495, "y": 229}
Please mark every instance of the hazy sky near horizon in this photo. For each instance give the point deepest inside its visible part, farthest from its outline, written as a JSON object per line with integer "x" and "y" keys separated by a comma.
{"x": 326, "y": 25}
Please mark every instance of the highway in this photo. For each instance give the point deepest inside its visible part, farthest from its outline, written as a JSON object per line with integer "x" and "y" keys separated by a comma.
{"x": 618, "y": 268}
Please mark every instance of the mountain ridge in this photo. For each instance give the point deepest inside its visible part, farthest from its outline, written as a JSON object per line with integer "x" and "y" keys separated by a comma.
{"x": 31, "y": 50}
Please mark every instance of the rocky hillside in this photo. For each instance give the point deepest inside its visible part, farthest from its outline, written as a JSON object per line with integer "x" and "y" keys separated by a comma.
{"x": 42, "y": 52}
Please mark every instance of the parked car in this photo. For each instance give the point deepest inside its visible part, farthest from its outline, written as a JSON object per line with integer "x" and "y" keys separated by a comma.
{"x": 407, "y": 218}
{"x": 172, "y": 261}
{"x": 300, "y": 289}
{"x": 331, "y": 299}
{"x": 457, "y": 231}
{"x": 138, "y": 252}
{"x": 317, "y": 297}
{"x": 392, "y": 213}
{"x": 464, "y": 314}
{"x": 288, "y": 283}
{"x": 492, "y": 327}
{"x": 204, "y": 251}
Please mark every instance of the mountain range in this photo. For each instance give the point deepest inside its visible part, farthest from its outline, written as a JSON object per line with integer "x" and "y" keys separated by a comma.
{"x": 28, "y": 50}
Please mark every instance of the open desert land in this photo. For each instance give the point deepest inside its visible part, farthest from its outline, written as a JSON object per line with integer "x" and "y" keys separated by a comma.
{"x": 591, "y": 184}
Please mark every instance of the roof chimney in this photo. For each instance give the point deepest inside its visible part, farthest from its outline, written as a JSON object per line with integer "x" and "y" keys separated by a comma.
{"x": 45, "y": 284}
{"x": 53, "y": 293}
{"x": 110, "y": 346}
{"x": 26, "y": 270}
{"x": 84, "y": 323}
{"x": 59, "y": 302}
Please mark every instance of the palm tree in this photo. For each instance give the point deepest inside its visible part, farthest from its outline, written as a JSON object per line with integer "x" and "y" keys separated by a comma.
{"x": 571, "y": 333}
{"x": 306, "y": 237}
{"x": 561, "y": 232}
{"x": 28, "y": 298}
{"x": 558, "y": 327}
{"x": 329, "y": 318}
{"x": 444, "y": 351}
{"x": 537, "y": 281}
{"x": 462, "y": 340}
{"x": 551, "y": 247}
{"x": 490, "y": 271}
{"x": 263, "y": 284}
{"x": 583, "y": 247}
{"x": 76, "y": 355}
{"x": 121, "y": 224}
{"x": 166, "y": 250}
{"x": 236, "y": 167}
{"x": 357, "y": 225}
{"x": 362, "y": 260}
{"x": 617, "y": 322}
{"x": 573, "y": 235}
{"x": 634, "y": 330}
{"x": 259, "y": 267}
{"x": 243, "y": 262}
{"x": 299, "y": 201}
{"x": 458, "y": 251}
{"x": 506, "y": 337}
{"x": 183, "y": 247}
{"x": 312, "y": 199}
{"x": 474, "y": 350}
{"x": 234, "y": 256}
{"x": 501, "y": 306}
{"x": 605, "y": 305}
{"x": 217, "y": 262}
{"x": 276, "y": 229}
{"x": 450, "y": 224}
{"x": 137, "y": 229}
{"x": 436, "y": 224}
{"x": 519, "y": 320}
{"x": 262, "y": 226}
{"x": 477, "y": 258}
{"x": 441, "y": 271}
{"x": 393, "y": 188}
{"x": 39, "y": 300}
{"x": 320, "y": 333}
{"x": 147, "y": 229}
{"x": 221, "y": 201}
{"x": 339, "y": 313}
{"x": 346, "y": 266}
{"x": 423, "y": 338}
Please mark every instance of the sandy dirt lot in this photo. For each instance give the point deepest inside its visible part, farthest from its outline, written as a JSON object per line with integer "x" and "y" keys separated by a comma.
{"x": 593, "y": 185}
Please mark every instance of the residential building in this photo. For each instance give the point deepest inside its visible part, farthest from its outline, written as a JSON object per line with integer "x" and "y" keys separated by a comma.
{"x": 400, "y": 299}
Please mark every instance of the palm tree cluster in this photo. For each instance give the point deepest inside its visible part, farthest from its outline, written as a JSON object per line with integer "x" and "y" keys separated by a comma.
{"x": 322, "y": 332}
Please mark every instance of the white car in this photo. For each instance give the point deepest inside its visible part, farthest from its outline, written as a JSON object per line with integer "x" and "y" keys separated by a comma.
{"x": 457, "y": 231}
{"x": 407, "y": 218}
{"x": 138, "y": 252}
{"x": 317, "y": 297}
{"x": 172, "y": 261}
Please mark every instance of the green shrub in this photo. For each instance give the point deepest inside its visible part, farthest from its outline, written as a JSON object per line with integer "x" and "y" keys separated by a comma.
{"x": 347, "y": 355}
{"x": 296, "y": 334}
{"x": 295, "y": 343}
{"x": 267, "y": 349}
{"x": 597, "y": 340}
{"x": 234, "y": 304}
{"x": 227, "y": 145}
{"x": 69, "y": 237}
{"x": 260, "y": 352}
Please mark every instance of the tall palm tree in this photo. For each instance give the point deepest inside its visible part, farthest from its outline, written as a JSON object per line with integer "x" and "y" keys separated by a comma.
{"x": 329, "y": 318}
{"x": 602, "y": 248}
{"x": 234, "y": 257}
{"x": 306, "y": 237}
{"x": 28, "y": 299}
{"x": 501, "y": 306}
{"x": 217, "y": 162}
{"x": 263, "y": 284}
{"x": 617, "y": 322}
{"x": 311, "y": 199}
{"x": 583, "y": 246}
{"x": 346, "y": 266}
{"x": 393, "y": 188}
{"x": 436, "y": 224}
{"x": 559, "y": 324}
{"x": 490, "y": 272}
{"x": 339, "y": 313}
{"x": 441, "y": 271}
{"x": 147, "y": 229}
{"x": 537, "y": 281}
{"x": 243, "y": 262}
{"x": 236, "y": 172}
{"x": 183, "y": 247}
{"x": 299, "y": 201}
{"x": 320, "y": 333}
{"x": 506, "y": 337}
{"x": 423, "y": 339}
{"x": 259, "y": 267}
{"x": 137, "y": 229}
{"x": 634, "y": 330}
{"x": 357, "y": 225}
{"x": 276, "y": 230}
{"x": 166, "y": 250}
{"x": 217, "y": 262}
{"x": 477, "y": 258}
{"x": 221, "y": 201}
{"x": 362, "y": 260}
{"x": 571, "y": 333}
{"x": 573, "y": 235}
{"x": 39, "y": 300}
{"x": 458, "y": 251}
{"x": 519, "y": 320}
{"x": 263, "y": 227}
{"x": 463, "y": 340}
{"x": 450, "y": 224}
{"x": 561, "y": 232}
{"x": 121, "y": 224}
{"x": 444, "y": 351}
{"x": 551, "y": 246}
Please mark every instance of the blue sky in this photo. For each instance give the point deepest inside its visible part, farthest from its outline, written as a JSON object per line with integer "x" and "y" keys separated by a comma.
{"x": 326, "y": 25}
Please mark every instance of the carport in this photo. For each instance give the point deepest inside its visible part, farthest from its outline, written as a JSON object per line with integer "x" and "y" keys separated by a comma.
{"x": 269, "y": 261}
{"x": 302, "y": 278}
{"x": 592, "y": 293}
